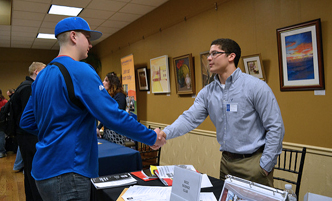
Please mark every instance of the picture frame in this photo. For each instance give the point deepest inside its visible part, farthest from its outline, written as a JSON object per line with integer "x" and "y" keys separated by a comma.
{"x": 159, "y": 73}
{"x": 184, "y": 74}
{"x": 142, "y": 79}
{"x": 253, "y": 66}
{"x": 207, "y": 76}
{"x": 301, "y": 57}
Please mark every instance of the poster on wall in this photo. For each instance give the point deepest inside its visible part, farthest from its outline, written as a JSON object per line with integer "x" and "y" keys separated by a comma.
{"x": 128, "y": 83}
{"x": 160, "y": 75}
{"x": 301, "y": 56}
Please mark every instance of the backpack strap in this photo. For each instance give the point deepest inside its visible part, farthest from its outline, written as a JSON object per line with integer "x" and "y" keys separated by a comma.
{"x": 69, "y": 84}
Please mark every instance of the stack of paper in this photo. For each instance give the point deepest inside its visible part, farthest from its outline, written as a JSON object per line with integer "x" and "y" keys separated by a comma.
{"x": 147, "y": 193}
{"x": 166, "y": 173}
{"x": 150, "y": 193}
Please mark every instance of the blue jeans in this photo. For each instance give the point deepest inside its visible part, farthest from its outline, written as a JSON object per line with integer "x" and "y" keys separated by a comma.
{"x": 2, "y": 142}
{"x": 70, "y": 186}
{"x": 18, "y": 165}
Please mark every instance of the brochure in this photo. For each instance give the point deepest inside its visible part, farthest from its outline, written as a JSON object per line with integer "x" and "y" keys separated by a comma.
{"x": 115, "y": 180}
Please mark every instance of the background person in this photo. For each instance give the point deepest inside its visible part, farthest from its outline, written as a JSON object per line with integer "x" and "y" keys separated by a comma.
{"x": 3, "y": 101}
{"x": 67, "y": 150}
{"x": 10, "y": 92}
{"x": 245, "y": 112}
{"x": 114, "y": 88}
{"x": 26, "y": 140}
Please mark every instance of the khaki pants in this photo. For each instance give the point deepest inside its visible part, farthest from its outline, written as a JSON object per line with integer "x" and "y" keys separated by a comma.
{"x": 246, "y": 168}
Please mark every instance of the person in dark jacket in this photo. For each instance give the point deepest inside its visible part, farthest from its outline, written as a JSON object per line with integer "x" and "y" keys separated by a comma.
{"x": 3, "y": 101}
{"x": 26, "y": 141}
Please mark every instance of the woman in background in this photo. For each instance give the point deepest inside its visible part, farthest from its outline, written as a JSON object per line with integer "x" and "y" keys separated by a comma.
{"x": 114, "y": 87}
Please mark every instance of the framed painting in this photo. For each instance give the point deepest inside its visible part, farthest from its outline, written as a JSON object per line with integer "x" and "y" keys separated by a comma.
{"x": 300, "y": 56}
{"x": 142, "y": 78}
{"x": 207, "y": 76}
{"x": 160, "y": 75}
{"x": 184, "y": 74}
{"x": 253, "y": 66}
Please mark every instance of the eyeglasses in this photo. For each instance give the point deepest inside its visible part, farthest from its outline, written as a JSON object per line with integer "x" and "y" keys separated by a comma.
{"x": 214, "y": 54}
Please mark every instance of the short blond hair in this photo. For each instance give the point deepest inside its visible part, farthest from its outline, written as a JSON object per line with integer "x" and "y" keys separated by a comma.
{"x": 35, "y": 66}
{"x": 63, "y": 37}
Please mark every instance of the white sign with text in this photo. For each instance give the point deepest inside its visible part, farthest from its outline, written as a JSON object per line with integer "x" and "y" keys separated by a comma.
{"x": 186, "y": 185}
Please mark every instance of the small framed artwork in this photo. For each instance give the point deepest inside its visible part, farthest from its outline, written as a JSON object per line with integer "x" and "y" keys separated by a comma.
{"x": 300, "y": 56}
{"x": 184, "y": 74}
{"x": 253, "y": 66}
{"x": 160, "y": 75}
{"x": 207, "y": 76}
{"x": 142, "y": 77}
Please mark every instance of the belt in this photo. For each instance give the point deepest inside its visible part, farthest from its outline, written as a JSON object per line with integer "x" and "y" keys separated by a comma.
{"x": 240, "y": 156}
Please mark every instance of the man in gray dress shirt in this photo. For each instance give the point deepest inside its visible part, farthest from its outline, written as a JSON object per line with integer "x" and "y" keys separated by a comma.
{"x": 245, "y": 112}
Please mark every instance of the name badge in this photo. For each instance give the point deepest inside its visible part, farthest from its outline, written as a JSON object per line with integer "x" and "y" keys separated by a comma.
{"x": 231, "y": 107}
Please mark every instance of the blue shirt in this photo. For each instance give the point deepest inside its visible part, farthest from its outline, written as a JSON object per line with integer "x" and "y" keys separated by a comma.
{"x": 245, "y": 113}
{"x": 67, "y": 134}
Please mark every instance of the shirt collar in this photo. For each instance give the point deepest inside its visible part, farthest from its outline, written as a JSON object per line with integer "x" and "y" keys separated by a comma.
{"x": 232, "y": 78}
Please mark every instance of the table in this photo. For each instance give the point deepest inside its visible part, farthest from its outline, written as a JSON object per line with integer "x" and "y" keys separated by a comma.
{"x": 112, "y": 194}
{"x": 114, "y": 158}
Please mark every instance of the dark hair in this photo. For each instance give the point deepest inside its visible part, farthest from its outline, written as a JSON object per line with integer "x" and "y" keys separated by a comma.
{"x": 115, "y": 84}
{"x": 229, "y": 45}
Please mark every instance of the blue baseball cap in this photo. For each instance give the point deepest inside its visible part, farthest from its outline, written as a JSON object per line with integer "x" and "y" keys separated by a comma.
{"x": 75, "y": 24}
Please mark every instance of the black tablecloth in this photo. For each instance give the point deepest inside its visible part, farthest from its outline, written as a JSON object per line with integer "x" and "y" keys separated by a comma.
{"x": 112, "y": 194}
{"x": 114, "y": 158}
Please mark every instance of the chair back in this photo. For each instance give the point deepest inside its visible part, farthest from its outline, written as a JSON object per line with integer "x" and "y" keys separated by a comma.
{"x": 148, "y": 155}
{"x": 292, "y": 162}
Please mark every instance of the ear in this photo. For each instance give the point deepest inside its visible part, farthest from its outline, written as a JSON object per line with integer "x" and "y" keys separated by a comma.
{"x": 231, "y": 57}
{"x": 73, "y": 36}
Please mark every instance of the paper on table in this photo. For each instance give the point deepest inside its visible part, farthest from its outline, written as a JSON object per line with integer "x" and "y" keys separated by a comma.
{"x": 150, "y": 193}
{"x": 206, "y": 183}
{"x": 137, "y": 193}
{"x": 207, "y": 196}
{"x": 167, "y": 172}
{"x": 120, "y": 197}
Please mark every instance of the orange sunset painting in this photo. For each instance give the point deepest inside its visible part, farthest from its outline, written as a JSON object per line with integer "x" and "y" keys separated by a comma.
{"x": 299, "y": 53}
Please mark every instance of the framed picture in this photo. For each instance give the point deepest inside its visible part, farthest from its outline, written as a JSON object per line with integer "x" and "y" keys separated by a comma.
{"x": 142, "y": 77}
{"x": 207, "y": 76}
{"x": 184, "y": 74}
{"x": 253, "y": 66}
{"x": 160, "y": 75}
{"x": 300, "y": 56}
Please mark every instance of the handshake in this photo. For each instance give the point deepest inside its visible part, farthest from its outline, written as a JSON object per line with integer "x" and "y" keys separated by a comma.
{"x": 161, "y": 139}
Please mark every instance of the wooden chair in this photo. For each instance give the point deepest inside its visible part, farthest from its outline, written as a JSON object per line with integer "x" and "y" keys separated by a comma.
{"x": 148, "y": 155}
{"x": 292, "y": 162}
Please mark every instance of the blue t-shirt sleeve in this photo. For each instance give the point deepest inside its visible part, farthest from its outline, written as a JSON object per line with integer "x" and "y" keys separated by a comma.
{"x": 105, "y": 108}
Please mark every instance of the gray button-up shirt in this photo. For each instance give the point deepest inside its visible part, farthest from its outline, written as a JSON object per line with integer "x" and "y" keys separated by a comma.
{"x": 245, "y": 113}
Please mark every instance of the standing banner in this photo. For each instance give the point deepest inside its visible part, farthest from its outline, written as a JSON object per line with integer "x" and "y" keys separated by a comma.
{"x": 129, "y": 84}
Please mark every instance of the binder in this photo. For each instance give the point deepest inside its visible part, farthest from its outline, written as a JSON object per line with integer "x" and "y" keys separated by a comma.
{"x": 115, "y": 180}
{"x": 237, "y": 188}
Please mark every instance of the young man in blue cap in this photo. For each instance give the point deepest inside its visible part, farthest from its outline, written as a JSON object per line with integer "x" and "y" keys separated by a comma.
{"x": 67, "y": 152}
